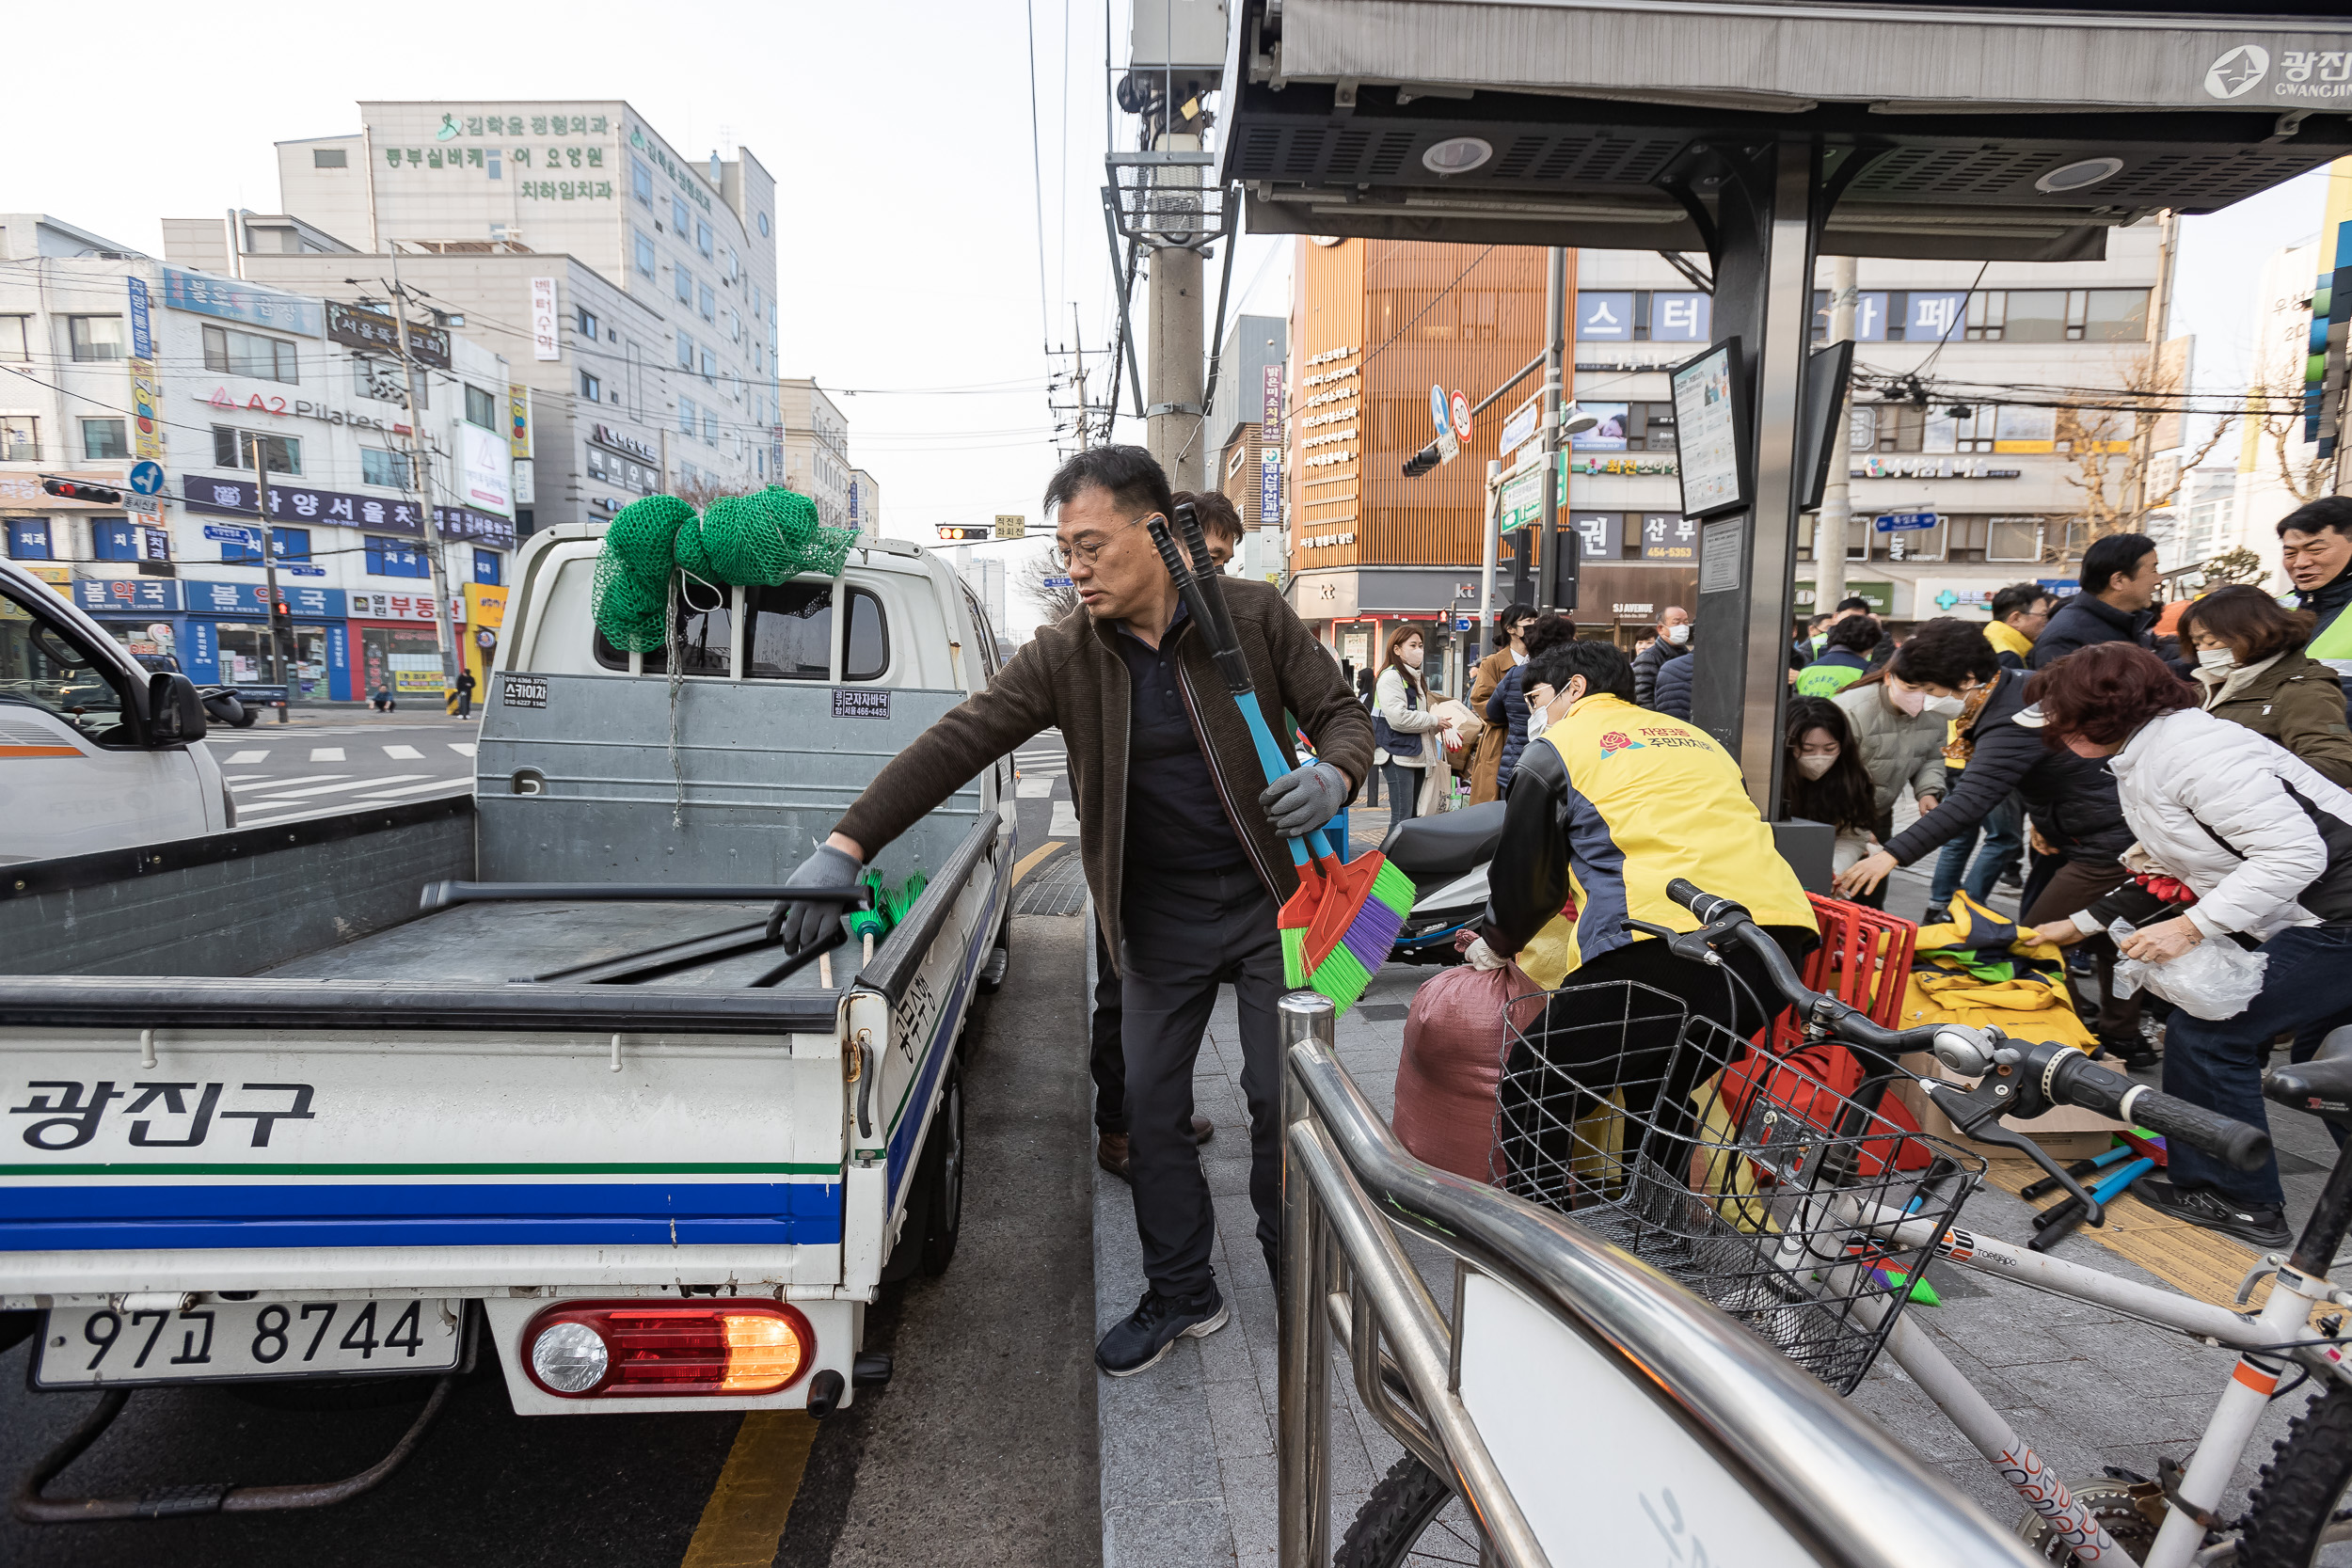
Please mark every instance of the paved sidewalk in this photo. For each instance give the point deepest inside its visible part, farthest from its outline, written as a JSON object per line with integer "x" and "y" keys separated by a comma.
{"x": 1187, "y": 1451}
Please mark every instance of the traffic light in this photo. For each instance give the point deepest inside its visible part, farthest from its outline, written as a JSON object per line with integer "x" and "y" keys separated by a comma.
{"x": 80, "y": 490}
{"x": 1421, "y": 461}
{"x": 952, "y": 535}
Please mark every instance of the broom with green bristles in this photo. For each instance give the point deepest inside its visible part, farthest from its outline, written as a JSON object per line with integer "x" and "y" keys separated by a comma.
{"x": 1338, "y": 927}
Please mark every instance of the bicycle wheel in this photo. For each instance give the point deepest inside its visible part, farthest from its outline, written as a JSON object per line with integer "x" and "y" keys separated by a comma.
{"x": 1411, "y": 1520}
{"x": 2299, "y": 1494}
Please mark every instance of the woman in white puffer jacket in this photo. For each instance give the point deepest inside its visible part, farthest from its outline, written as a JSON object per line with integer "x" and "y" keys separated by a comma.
{"x": 2264, "y": 842}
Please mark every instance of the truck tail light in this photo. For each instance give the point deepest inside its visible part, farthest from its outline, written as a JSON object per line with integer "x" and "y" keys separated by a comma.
{"x": 619, "y": 1348}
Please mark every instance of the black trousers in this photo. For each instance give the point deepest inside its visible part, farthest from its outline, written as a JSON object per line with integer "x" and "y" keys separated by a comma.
{"x": 1105, "y": 1063}
{"x": 1626, "y": 1043}
{"x": 1185, "y": 934}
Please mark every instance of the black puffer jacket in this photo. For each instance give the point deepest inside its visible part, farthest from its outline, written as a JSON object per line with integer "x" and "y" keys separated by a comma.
{"x": 1507, "y": 708}
{"x": 2087, "y": 619}
{"x": 1648, "y": 662}
{"x": 2071, "y": 799}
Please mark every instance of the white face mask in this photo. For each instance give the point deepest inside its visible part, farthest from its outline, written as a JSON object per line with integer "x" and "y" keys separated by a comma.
{"x": 1678, "y": 635}
{"x": 1817, "y": 764}
{"x": 1943, "y": 707}
{"x": 2216, "y": 658}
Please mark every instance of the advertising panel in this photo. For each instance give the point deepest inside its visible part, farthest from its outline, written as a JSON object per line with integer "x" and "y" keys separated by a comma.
{"x": 547, "y": 339}
{"x": 483, "y": 458}
{"x": 237, "y": 300}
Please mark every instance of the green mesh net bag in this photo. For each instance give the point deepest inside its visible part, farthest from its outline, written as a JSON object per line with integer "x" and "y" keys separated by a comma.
{"x": 758, "y": 540}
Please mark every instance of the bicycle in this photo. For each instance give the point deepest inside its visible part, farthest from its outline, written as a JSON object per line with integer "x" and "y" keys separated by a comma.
{"x": 1804, "y": 1214}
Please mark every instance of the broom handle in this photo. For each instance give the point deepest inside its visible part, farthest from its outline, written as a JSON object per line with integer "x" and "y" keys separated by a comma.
{"x": 1207, "y": 606}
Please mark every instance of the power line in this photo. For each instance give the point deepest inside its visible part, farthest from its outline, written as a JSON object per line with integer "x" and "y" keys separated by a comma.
{"x": 1037, "y": 185}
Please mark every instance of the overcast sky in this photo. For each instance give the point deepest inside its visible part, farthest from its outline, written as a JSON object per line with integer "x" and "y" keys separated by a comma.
{"x": 901, "y": 137}
{"x": 899, "y": 133}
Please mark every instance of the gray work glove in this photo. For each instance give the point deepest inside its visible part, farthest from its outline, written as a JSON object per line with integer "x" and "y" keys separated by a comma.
{"x": 1304, "y": 800}
{"x": 808, "y": 924}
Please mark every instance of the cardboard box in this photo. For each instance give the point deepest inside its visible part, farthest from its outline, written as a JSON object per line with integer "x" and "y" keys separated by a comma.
{"x": 2064, "y": 1133}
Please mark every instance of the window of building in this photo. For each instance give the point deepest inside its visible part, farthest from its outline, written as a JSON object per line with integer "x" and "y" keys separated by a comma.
{"x": 496, "y": 169}
{"x": 114, "y": 539}
{"x": 755, "y": 302}
{"x": 645, "y": 253}
{"x": 2014, "y": 539}
{"x": 763, "y": 226}
{"x": 640, "y": 180}
{"x": 482, "y": 408}
{"x": 105, "y": 440}
{"x": 685, "y": 352}
{"x": 12, "y": 343}
{"x": 701, "y": 237}
{"x": 230, "y": 352}
{"x": 589, "y": 327}
{"x": 1946, "y": 429}
{"x": 679, "y": 218}
{"x": 590, "y": 388}
{"x": 28, "y": 539}
{"x": 790, "y": 635}
{"x": 329, "y": 157}
{"x": 2034, "y": 316}
{"x": 20, "y": 438}
{"x": 485, "y": 566}
{"x": 95, "y": 337}
{"x": 710, "y": 365}
{"x": 2115, "y": 316}
{"x": 709, "y": 303}
{"x": 710, "y": 426}
{"x": 234, "y": 448}
{"x": 686, "y": 415}
{"x": 394, "y": 558}
{"x": 685, "y": 285}
{"x": 388, "y": 468}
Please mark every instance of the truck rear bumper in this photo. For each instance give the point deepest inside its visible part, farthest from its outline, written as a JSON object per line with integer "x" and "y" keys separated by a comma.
{"x": 45, "y": 1278}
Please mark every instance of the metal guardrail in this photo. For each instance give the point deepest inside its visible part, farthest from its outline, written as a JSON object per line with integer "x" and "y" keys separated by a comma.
{"x": 1586, "y": 1401}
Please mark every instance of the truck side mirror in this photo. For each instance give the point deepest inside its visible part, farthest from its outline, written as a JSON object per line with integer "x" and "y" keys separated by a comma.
{"x": 175, "y": 713}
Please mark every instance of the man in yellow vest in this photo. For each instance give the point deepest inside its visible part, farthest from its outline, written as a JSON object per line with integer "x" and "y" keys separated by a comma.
{"x": 1607, "y": 807}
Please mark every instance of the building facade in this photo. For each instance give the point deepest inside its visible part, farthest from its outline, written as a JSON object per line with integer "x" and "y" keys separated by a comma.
{"x": 631, "y": 287}
{"x": 130, "y": 362}
{"x": 1976, "y": 410}
{"x": 865, "y": 502}
{"x": 817, "y": 449}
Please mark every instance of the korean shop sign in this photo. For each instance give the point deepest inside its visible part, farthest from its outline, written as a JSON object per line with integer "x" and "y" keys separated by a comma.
{"x": 233, "y": 299}
{"x": 378, "y": 333}
{"x": 299, "y": 503}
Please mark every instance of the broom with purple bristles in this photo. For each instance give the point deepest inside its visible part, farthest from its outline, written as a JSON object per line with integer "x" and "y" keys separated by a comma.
{"x": 1337, "y": 929}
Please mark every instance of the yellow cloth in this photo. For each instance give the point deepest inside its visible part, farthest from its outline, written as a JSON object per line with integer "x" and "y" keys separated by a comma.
{"x": 2034, "y": 1007}
{"x": 2007, "y": 638}
{"x": 1653, "y": 799}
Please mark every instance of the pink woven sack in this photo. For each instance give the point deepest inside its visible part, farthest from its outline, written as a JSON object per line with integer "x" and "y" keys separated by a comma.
{"x": 1454, "y": 1044}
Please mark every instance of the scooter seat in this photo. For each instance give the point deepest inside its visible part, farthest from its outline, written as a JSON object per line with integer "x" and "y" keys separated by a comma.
{"x": 1447, "y": 844}
{"x": 2322, "y": 1084}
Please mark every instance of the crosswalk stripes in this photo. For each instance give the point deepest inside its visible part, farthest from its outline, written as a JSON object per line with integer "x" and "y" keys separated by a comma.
{"x": 403, "y": 753}
{"x": 277, "y": 796}
{"x": 463, "y": 748}
{"x": 327, "y": 753}
{"x": 243, "y": 757}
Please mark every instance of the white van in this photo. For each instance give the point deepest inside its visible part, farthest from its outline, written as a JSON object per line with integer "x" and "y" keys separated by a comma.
{"x": 95, "y": 753}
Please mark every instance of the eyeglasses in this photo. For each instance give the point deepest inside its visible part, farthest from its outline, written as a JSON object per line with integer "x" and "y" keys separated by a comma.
{"x": 1089, "y": 549}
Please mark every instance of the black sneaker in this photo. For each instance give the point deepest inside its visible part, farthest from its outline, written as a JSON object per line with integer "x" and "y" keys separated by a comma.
{"x": 2265, "y": 1228}
{"x": 2136, "y": 1053}
{"x": 1147, "y": 1337}
{"x": 2013, "y": 880}
{"x": 1935, "y": 915}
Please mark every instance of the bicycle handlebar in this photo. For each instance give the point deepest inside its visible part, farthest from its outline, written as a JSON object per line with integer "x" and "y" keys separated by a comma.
{"x": 2048, "y": 1074}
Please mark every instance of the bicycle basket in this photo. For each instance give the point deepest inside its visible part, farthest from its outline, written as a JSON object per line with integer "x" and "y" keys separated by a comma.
{"x": 1742, "y": 1176}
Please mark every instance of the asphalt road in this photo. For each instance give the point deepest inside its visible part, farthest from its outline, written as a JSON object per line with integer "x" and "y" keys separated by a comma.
{"x": 982, "y": 1450}
{"x": 278, "y": 774}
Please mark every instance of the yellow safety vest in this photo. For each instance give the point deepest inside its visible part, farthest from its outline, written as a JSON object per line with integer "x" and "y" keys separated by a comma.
{"x": 1653, "y": 799}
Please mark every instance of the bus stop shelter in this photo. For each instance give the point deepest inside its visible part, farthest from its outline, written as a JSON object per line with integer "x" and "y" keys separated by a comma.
{"x": 1763, "y": 135}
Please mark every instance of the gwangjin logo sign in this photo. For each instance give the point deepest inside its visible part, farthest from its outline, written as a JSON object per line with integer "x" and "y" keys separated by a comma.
{"x": 2238, "y": 72}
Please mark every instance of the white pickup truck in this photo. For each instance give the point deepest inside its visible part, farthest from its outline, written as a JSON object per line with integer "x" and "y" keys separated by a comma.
{"x": 601, "y": 1138}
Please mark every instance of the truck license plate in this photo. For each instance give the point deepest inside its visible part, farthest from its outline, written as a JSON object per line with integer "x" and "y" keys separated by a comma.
{"x": 85, "y": 1347}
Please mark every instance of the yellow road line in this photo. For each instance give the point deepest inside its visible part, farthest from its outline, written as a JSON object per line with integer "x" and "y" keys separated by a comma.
{"x": 746, "y": 1513}
{"x": 1027, "y": 862}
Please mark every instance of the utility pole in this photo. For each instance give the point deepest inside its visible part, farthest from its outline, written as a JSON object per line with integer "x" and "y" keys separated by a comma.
{"x": 1078, "y": 351}
{"x": 419, "y": 475}
{"x": 1830, "y": 526}
{"x": 269, "y": 576}
{"x": 1174, "y": 419}
{"x": 1547, "y": 540}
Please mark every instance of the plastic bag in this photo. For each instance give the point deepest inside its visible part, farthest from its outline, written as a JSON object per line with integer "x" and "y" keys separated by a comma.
{"x": 1455, "y": 1038}
{"x": 2214, "y": 980}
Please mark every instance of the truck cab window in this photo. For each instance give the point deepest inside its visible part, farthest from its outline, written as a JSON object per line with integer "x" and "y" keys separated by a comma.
{"x": 791, "y": 634}
{"x": 43, "y": 666}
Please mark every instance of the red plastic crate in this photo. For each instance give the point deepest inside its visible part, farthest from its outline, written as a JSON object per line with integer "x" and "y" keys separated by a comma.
{"x": 1864, "y": 960}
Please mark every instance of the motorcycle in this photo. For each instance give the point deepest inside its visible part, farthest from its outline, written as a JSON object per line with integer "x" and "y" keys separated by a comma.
{"x": 1446, "y": 856}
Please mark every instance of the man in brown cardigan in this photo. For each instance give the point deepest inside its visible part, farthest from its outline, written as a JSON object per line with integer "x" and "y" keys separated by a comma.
{"x": 1187, "y": 900}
